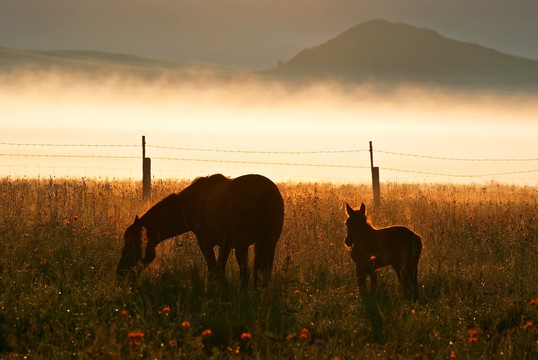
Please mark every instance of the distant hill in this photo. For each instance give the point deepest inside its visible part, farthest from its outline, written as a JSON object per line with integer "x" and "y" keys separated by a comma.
{"x": 377, "y": 52}
{"x": 384, "y": 52}
{"x": 95, "y": 63}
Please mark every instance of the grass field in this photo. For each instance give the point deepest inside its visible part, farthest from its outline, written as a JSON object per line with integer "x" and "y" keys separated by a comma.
{"x": 60, "y": 242}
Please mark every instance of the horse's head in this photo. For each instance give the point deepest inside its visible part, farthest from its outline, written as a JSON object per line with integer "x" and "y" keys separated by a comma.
{"x": 357, "y": 223}
{"x": 134, "y": 249}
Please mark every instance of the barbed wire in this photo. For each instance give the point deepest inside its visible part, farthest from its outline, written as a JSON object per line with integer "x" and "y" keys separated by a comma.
{"x": 259, "y": 151}
{"x": 264, "y": 163}
{"x": 295, "y": 164}
{"x": 461, "y": 175}
{"x": 68, "y": 145}
{"x": 453, "y": 158}
{"x": 72, "y": 156}
{"x": 337, "y": 151}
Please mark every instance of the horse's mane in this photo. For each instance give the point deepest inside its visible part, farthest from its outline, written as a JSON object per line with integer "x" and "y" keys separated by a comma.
{"x": 168, "y": 202}
{"x": 369, "y": 222}
{"x": 216, "y": 178}
{"x": 171, "y": 202}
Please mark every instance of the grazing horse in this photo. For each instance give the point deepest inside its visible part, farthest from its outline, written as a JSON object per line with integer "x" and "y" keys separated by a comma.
{"x": 224, "y": 212}
{"x": 373, "y": 248}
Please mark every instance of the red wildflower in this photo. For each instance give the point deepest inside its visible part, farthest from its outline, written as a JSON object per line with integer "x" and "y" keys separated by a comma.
{"x": 246, "y": 336}
{"x": 186, "y": 324}
{"x": 166, "y": 310}
{"x": 533, "y": 302}
{"x": 373, "y": 257}
{"x": 173, "y": 342}
{"x": 207, "y": 333}
{"x": 304, "y": 334}
{"x": 124, "y": 313}
{"x": 135, "y": 338}
{"x": 472, "y": 340}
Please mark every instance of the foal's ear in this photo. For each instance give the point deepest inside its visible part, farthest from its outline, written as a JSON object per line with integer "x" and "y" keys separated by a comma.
{"x": 136, "y": 220}
{"x": 350, "y": 210}
{"x": 363, "y": 209}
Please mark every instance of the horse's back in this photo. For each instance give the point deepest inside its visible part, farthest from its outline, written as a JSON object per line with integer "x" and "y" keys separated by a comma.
{"x": 398, "y": 240}
{"x": 254, "y": 204}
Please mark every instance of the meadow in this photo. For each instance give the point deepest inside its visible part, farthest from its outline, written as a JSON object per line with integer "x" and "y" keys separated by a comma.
{"x": 60, "y": 242}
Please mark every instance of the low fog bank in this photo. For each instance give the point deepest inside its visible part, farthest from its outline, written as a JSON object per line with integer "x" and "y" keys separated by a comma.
{"x": 204, "y": 109}
{"x": 242, "y": 88}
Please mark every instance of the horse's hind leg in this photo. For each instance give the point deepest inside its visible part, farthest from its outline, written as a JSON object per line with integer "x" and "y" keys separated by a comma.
{"x": 264, "y": 255}
{"x": 241, "y": 255}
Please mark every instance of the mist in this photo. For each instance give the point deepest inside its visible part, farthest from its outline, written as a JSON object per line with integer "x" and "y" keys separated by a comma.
{"x": 246, "y": 112}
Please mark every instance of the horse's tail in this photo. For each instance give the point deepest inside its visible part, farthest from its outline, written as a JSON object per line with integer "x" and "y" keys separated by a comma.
{"x": 411, "y": 266}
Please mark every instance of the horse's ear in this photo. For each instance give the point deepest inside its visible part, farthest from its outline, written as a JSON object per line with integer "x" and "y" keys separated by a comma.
{"x": 137, "y": 219}
{"x": 363, "y": 209}
{"x": 349, "y": 209}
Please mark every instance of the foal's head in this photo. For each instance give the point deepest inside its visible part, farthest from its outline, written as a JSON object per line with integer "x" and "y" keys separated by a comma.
{"x": 134, "y": 248}
{"x": 357, "y": 224}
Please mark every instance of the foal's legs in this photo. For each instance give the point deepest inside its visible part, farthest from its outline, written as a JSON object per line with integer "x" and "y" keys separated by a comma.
{"x": 361, "y": 279}
{"x": 373, "y": 280}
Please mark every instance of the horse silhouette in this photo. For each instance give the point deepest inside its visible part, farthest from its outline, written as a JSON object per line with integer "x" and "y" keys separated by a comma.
{"x": 224, "y": 212}
{"x": 373, "y": 248}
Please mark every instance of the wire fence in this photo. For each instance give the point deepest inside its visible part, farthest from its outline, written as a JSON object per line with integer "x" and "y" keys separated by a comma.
{"x": 222, "y": 156}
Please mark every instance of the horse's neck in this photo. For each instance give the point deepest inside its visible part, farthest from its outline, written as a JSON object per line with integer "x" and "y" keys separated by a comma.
{"x": 164, "y": 224}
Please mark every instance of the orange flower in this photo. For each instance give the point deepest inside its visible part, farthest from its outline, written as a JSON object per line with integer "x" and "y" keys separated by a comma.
{"x": 135, "y": 338}
{"x": 473, "y": 333}
{"x": 166, "y": 310}
{"x": 533, "y": 302}
{"x": 246, "y": 336}
{"x": 472, "y": 340}
{"x": 40, "y": 228}
{"x": 207, "y": 333}
{"x": 124, "y": 313}
{"x": 452, "y": 354}
{"x": 304, "y": 334}
{"x": 296, "y": 292}
{"x": 373, "y": 257}
{"x": 528, "y": 325}
{"x": 501, "y": 268}
{"x": 186, "y": 324}
{"x": 173, "y": 342}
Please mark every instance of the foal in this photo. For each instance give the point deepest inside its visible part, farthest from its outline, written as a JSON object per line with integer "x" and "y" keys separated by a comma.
{"x": 373, "y": 248}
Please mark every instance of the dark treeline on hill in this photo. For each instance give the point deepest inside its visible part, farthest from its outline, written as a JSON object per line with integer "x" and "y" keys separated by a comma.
{"x": 377, "y": 52}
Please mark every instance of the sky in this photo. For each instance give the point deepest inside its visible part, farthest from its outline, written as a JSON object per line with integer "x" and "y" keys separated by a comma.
{"x": 251, "y": 33}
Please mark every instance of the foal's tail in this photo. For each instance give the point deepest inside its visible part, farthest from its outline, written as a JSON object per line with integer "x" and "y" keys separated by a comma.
{"x": 411, "y": 267}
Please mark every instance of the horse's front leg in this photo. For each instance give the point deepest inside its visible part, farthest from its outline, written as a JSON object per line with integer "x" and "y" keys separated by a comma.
{"x": 361, "y": 279}
{"x": 209, "y": 255}
{"x": 373, "y": 280}
{"x": 224, "y": 253}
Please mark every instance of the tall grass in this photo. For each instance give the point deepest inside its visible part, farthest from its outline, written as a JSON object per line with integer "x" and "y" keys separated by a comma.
{"x": 60, "y": 243}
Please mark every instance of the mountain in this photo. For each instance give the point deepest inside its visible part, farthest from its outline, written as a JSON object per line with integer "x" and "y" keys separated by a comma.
{"x": 384, "y": 52}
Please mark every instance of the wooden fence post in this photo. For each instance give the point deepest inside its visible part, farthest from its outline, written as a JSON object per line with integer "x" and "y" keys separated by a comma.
{"x": 146, "y": 172}
{"x": 375, "y": 178}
